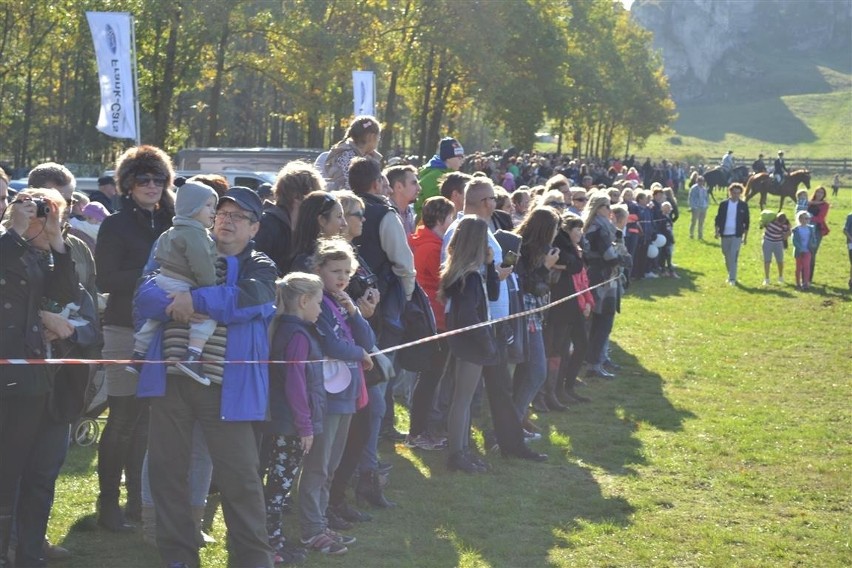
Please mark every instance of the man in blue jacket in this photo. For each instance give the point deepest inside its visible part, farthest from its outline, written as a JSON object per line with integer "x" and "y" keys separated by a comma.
{"x": 242, "y": 306}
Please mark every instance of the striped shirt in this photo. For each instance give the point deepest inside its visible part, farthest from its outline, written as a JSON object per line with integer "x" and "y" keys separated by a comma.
{"x": 776, "y": 231}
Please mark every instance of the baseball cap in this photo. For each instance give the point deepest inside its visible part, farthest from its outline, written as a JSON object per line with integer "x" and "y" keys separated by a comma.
{"x": 245, "y": 199}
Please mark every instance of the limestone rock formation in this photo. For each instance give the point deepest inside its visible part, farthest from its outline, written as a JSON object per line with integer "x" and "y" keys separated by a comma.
{"x": 711, "y": 48}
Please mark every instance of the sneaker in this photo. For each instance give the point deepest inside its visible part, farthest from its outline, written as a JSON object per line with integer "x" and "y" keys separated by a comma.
{"x": 420, "y": 442}
{"x": 675, "y": 275}
{"x": 193, "y": 368}
{"x": 531, "y": 435}
{"x": 321, "y": 542}
{"x": 136, "y": 368}
{"x": 341, "y": 538}
{"x": 440, "y": 442}
{"x": 766, "y": 281}
{"x": 383, "y": 467}
{"x": 651, "y": 275}
{"x": 780, "y": 279}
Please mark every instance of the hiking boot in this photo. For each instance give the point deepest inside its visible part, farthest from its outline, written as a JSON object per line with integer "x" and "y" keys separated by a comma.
{"x": 337, "y": 522}
{"x": 348, "y": 512}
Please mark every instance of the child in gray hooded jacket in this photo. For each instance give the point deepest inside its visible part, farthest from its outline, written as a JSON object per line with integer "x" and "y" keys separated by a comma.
{"x": 187, "y": 256}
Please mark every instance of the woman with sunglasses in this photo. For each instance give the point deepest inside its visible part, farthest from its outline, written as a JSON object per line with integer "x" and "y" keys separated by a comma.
{"x": 144, "y": 175}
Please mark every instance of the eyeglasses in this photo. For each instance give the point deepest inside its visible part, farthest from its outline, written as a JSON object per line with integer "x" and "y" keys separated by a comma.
{"x": 557, "y": 204}
{"x": 158, "y": 181}
{"x": 359, "y": 214}
{"x": 233, "y": 216}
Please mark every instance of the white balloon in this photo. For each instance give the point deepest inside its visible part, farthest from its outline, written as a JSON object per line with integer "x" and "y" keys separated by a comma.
{"x": 660, "y": 240}
{"x": 653, "y": 251}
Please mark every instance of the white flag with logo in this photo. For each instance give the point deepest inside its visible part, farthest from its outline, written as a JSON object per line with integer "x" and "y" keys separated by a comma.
{"x": 364, "y": 91}
{"x": 113, "y": 49}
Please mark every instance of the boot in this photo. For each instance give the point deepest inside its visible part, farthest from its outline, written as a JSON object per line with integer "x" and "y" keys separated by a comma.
{"x": 111, "y": 517}
{"x": 149, "y": 525}
{"x": 539, "y": 403}
{"x": 369, "y": 489}
{"x": 5, "y": 536}
{"x": 203, "y": 538}
{"x": 550, "y": 393}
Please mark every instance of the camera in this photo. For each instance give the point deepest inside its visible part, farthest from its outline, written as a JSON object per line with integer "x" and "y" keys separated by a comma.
{"x": 42, "y": 208}
{"x": 359, "y": 284}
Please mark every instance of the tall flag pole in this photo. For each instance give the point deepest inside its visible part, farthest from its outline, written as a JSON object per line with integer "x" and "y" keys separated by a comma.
{"x": 135, "y": 81}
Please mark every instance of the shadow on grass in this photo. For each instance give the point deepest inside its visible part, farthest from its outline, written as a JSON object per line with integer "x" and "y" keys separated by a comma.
{"x": 603, "y": 432}
{"x": 529, "y": 504}
{"x": 650, "y": 288}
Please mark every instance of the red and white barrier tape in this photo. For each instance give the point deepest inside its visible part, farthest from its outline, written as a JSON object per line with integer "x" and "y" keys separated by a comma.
{"x": 384, "y": 351}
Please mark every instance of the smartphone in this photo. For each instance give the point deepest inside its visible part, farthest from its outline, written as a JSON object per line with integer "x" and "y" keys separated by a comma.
{"x": 510, "y": 258}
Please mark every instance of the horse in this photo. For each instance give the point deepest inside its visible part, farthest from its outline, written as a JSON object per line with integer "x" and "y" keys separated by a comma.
{"x": 715, "y": 177}
{"x": 764, "y": 183}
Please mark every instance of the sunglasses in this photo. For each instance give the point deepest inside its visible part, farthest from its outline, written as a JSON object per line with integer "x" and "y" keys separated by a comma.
{"x": 557, "y": 204}
{"x": 359, "y": 214}
{"x": 143, "y": 180}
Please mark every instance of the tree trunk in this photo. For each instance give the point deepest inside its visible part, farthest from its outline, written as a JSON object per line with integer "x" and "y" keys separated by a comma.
{"x": 216, "y": 90}
{"x": 390, "y": 115}
{"x": 424, "y": 110}
{"x": 561, "y": 132}
{"x": 163, "y": 104}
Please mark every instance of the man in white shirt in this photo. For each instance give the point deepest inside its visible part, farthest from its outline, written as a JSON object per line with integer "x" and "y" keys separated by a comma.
{"x": 732, "y": 223}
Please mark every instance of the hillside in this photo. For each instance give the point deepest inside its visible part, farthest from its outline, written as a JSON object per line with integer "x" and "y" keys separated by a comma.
{"x": 744, "y": 80}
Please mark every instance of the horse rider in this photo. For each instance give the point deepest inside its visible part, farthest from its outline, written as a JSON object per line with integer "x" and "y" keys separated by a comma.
{"x": 780, "y": 171}
{"x": 758, "y": 166}
{"x": 727, "y": 166}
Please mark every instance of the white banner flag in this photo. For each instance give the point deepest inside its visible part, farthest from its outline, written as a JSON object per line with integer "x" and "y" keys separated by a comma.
{"x": 364, "y": 90}
{"x": 113, "y": 48}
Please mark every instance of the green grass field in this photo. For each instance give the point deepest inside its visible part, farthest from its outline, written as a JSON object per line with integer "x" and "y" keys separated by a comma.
{"x": 725, "y": 441}
{"x": 808, "y": 116}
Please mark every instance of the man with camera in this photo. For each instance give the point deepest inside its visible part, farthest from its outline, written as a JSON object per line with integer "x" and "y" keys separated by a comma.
{"x": 36, "y": 271}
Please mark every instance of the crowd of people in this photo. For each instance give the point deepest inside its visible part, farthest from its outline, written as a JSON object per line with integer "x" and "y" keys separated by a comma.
{"x": 264, "y": 334}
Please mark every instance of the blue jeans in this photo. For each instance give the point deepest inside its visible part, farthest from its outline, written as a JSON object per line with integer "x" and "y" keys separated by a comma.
{"x": 598, "y": 336}
{"x": 36, "y": 489}
{"x": 200, "y": 472}
{"x": 376, "y": 408}
{"x": 530, "y": 375}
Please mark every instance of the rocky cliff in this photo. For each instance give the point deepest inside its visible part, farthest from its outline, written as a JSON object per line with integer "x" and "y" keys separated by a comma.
{"x": 715, "y": 49}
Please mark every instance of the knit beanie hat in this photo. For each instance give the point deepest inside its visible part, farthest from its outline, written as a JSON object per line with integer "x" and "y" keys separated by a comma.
{"x": 450, "y": 148}
{"x": 191, "y": 197}
{"x": 96, "y": 211}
